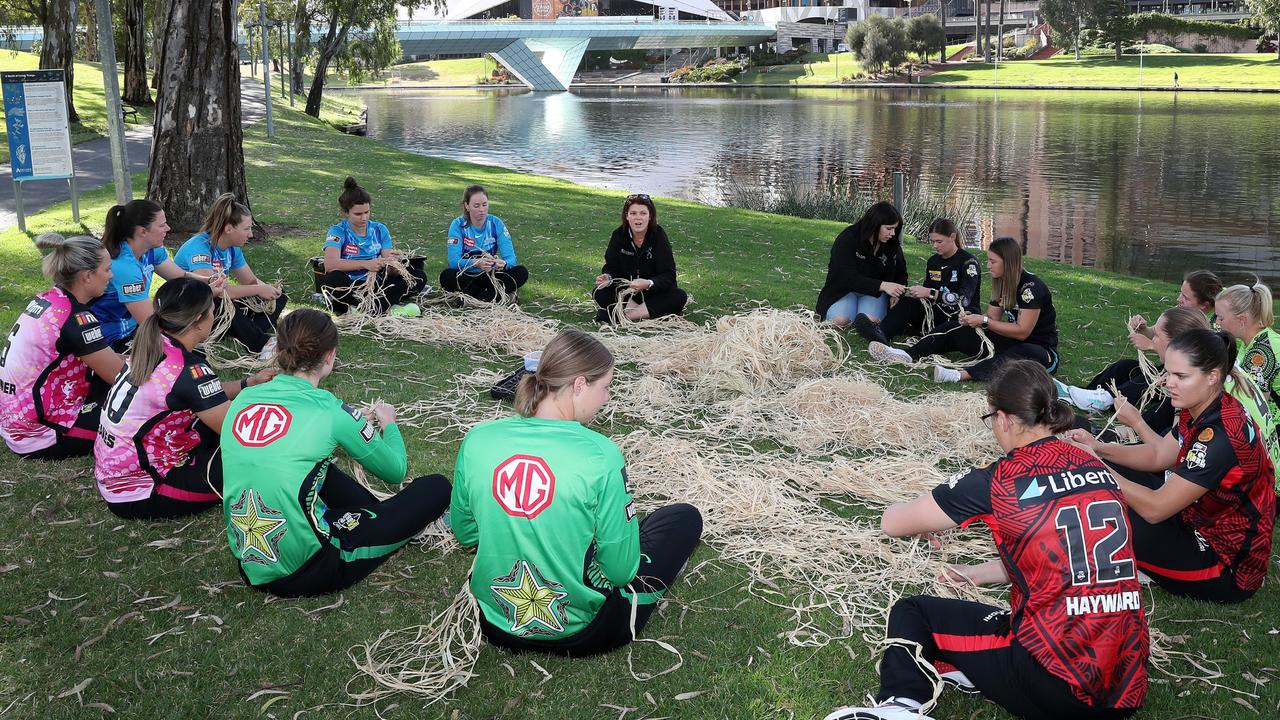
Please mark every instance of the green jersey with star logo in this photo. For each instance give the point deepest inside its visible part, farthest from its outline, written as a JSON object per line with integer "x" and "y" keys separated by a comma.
{"x": 546, "y": 505}
{"x": 277, "y": 442}
{"x": 1260, "y": 361}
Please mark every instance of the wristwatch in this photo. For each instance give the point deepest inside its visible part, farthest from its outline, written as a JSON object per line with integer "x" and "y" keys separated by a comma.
{"x": 986, "y": 320}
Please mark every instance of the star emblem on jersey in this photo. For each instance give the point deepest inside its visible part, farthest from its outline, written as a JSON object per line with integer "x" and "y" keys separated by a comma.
{"x": 1027, "y": 295}
{"x": 533, "y": 604}
{"x": 257, "y": 529}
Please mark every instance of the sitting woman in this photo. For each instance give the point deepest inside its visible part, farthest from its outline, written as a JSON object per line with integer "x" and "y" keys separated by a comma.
{"x": 156, "y": 455}
{"x": 134, "y": 238}
{"x": 1020, "y": 321}
{"x": 563, "y": 565}
{"x": 296, "y": 523}
{"x": 216, "y": 252}
{"x": 952, "y": 282}
{"x": 1245, "y": 312}
{"x": 1159, "y": 413}
{"x": 867, "y": 272}
{"x": 1199, "y": 290}
{"x": 1201, "y": 499}
{"x": 639, "y": 257}
{"x": 357, "y": 246}
{"x": 1065, "y": 548}
{"x": 481, "y": 255}
{"x": 57, "y": 366}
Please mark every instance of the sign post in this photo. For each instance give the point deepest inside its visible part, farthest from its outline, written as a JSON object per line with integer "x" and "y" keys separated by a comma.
{"x": 35, "y": 106}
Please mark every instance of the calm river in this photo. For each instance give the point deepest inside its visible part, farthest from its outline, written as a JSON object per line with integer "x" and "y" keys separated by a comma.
{"x": 1147, "y": 185}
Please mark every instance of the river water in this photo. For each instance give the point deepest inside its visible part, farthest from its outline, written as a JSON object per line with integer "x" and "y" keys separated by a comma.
{"x": 1146, "y": 184}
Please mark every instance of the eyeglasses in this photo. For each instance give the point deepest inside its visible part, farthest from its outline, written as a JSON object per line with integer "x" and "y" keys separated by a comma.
{"x": 638, "y": 196}
{"x": 988, "y": 419}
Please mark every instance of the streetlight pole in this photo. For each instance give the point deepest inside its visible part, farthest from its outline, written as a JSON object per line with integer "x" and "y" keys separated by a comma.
{"x": 115, "y": 118}
{"x": 266, "y": 64}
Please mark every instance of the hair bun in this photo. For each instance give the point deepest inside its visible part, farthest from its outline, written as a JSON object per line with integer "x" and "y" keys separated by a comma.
{"x": 49, "y": 240}
{"x": 350, "y": 183}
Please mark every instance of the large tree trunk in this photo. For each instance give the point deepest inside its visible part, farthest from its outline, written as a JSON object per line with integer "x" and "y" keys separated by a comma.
{"x": 90, "y": 50}
{"x": 136, "y": 91}
{"x": 57, "y": 52}
{"x": 986, "y": 30}
{"x": 1000, "y": 33}
{"x": 159, "y": 15}
{"x": 197, "y": 153}
{"x": 1075, "y": 39}
{"x": 301, "y": 43}
{"x": 329, "y": 47}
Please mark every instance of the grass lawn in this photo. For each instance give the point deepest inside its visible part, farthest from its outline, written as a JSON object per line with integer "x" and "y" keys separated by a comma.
{"x": 816, "y": 69}
{"x": 1194, "y": 70}
{"x": 150, "y": 620}
{"x": 87, "y": 95}
{"x": 457, "y": 71}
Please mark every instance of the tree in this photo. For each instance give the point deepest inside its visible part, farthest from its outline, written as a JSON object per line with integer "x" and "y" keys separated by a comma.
{"x": 877, "y": 42}
{"x": 1069, "y": 18}
{"x": 925, "y": 33}
{"x": 89, "y": 11}
{"x": 136, "y": 91}
{"x": 57, "y": 18}
{"x": 1111, "y": 18}
{"x": 369, "y": 52}
{"x": 1266, "y": 14}
{"x": 197, "y": 153}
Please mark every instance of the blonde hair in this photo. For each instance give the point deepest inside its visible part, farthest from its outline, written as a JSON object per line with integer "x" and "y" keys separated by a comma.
{"x": 1252, "y": 301}
{"x": 571, "y": 354}
{"x": 226, "y": 211}
{"x": 68, "y": 257}
{"x": 1006, "y": 286}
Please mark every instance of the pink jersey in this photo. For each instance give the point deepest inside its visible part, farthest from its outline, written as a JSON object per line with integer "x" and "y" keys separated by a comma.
{"x": 149, "y": 430}
{"x": 43, "y": 381}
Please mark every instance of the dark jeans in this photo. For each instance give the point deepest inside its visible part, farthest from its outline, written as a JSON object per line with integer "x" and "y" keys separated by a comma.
{"x": 954, "y": 337}
{"x": 660, "y": 304}
{"x": 977, "y": 640}
{"x": 668, "y": 538}
{"x": 1128, "y": 377}
{"x": 341, "y": 292}
{"x": 481, "y": 285}
{"x": 254, "y": 329}
{"x": 380, "y": 528}
{"x": 906, "y": 318}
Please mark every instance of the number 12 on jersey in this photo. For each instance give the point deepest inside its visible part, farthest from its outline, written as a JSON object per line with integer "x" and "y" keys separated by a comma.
{"x": 1105, "y": 568}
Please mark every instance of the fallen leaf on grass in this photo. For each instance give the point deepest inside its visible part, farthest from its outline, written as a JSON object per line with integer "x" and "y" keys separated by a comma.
{"x": 266, "y": 691}
{"x": 172, "y": 542}
{"x": 102, "y": 706}
{"x": 16, "y": 620}
{"x": 689, "y": 695}
{"x": 80, "y": 686}
{"x": 8, "y": 568}
{"x": 1243, "y": 702}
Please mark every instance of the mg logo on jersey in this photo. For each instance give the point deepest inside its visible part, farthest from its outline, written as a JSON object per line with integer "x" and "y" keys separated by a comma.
{"x": 261, "y": 424}
{"x": 523, "y": 485}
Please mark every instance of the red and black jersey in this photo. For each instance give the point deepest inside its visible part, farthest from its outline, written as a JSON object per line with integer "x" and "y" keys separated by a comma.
{"x": 1061, "y": 527}
{"x": 1223, "y": 451}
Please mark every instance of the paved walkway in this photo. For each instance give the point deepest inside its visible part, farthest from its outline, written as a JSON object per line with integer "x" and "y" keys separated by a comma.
{"x": 93, "y": 162}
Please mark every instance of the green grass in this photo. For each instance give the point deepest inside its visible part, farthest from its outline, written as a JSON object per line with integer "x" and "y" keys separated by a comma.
{"x": 1194, "y": 70}
{"x": 87, "y": 95}
{"x": 458, "y": 71}
{"x": 815, "y": 69}
{"x": 177, "y": 636}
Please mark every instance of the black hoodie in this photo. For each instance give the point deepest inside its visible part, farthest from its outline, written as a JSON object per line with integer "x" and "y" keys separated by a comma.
{"x": 855, "y": 268}
{"x": 653, "y": 261}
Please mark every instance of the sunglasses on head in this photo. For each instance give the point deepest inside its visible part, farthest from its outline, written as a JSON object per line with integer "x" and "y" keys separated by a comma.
{"x": 638, "y": 196}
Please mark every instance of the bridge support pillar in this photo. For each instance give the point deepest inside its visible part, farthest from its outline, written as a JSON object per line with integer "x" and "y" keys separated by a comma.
{"x": 546, "y": 65}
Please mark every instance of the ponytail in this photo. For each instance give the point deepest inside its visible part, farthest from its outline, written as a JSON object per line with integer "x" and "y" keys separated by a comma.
{"x": 68, "y": 257}
{"x": 178, "y": 305}
{"x": 124, "y": 220}
{"x": 1252, "y": 301}
{"x": 571, "y": 354}
{"x": 225, "y": 212}
{"x": 529, "y": 393}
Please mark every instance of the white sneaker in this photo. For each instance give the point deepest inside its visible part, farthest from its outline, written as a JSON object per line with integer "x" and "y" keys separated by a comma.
{"x": 886, "y": 354}
{"x": 268, "y": 350}
{"x": 891, "y": 709}
{"x": 945, "y": 374}
{"x": 959, "y": 681}
{"x": 1091, "y": 400}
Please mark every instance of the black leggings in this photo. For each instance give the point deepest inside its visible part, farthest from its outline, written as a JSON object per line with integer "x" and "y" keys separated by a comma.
{"x": 954, "y": 337}
{"x": 975, "y": 639}
{"x": 480, "y": 286}
{"x": 660, "y": 304}
{"x": 341, "y": 292}
{"x": 364, "y": 531}
{"x": 906, "y": 318}
{"x": 77, "y": 440}
{"x": 1128, "y": 377}
{"x": 668, "y": 538}
{"x": 188, "y": 489}
{"x": 1175, "y": 556}
{"x": 253, "y": 329}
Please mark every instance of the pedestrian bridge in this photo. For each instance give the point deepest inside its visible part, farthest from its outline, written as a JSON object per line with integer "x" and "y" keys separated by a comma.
{"x": 545, "y": 54}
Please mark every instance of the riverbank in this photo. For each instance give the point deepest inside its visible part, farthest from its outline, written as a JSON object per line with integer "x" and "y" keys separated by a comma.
{"x": 153, "y": 616}
{"x": 1244, "y": 72}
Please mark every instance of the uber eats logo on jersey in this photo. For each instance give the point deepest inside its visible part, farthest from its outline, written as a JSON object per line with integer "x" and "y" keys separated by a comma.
{"x": 1042, "y": 488}
{"x": 261, "y": 424}
{"x": 523, "y": 485}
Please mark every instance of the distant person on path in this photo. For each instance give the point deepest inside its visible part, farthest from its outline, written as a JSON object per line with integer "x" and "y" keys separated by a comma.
{"x": 357, "y": 246}
{"x": 216, "y": 252}
{"x": 952, "y": 282}
{"x": 296, "y": 523}
{"x": 867, "y": 272}
{"x": 1175, "y": 79}
{"x": 1020, "y": 322}
{"x": 56, "y": 366}
{"x": 481, "y": 255}
{"x": 639, "y": 257}
{"x": 134, "y": 237}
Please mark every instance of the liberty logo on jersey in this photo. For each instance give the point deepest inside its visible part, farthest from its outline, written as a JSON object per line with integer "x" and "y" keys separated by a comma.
{"x": 261, "y": 424}
{"x": 1035, "y": 488}
{"x": 523, "y": 485}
